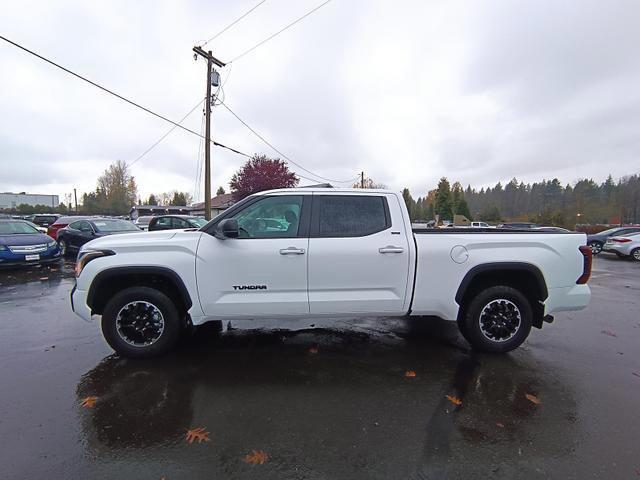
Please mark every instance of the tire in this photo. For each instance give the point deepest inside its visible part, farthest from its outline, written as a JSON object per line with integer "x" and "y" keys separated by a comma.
{"x": 64, "y": 248}
{"x": 497, "y": 320}
{"x": 635, "y": 254}
{"x": 596, "y": 247}
{"x": 141, "y": 322}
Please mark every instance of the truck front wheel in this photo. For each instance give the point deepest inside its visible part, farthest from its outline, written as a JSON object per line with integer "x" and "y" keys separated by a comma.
{"x": 497, "y": 320}
{"x": 140, "y": 322}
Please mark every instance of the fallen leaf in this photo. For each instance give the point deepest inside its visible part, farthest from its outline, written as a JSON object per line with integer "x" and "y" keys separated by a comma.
{"x": 636, "y": 374}
{"x": 532, "y": 398}
{"x": 313, "y": 350}
{"x": 410, "y": 374}
{"x": 454, "y": 400}
{"x": 88, "y": 402}
{"x": 44, "y": 278}
{"x": 499, "y": 424}
{"x": 609, "y": 332}
{"x": 200, "y": 434}
{"x": 256, "y": 457}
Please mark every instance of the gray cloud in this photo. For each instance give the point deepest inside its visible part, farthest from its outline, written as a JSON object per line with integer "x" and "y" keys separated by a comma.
{"x": 408, "y": 92}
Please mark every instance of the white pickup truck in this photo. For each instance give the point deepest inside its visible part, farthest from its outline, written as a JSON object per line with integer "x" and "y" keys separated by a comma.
{"x": 309, "y": 252}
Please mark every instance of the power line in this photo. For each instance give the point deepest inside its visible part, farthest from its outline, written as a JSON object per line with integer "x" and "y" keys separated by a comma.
{"x": 154, "y": 145}
{"x": 279, "y": 31}
{"x": 233, "y": 23}
{"x": 279, "y": 152}
{"x": 131, "y": 102}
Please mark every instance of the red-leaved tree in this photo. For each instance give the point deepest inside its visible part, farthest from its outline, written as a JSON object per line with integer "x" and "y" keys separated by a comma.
{"x": 259, "y": 174}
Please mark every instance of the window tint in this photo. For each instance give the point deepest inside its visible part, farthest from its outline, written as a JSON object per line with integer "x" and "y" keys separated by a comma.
{"x": 179, "y": 223}
{"x": 270, "y": 217}
{"x": 84, "y": 226}
{"x": 350, "y": 215}
{"x": 162, "y": 223}
{"x": 75, "y": 225}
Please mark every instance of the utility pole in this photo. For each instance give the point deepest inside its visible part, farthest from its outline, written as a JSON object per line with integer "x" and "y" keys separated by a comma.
{"x": 75, "y": 197}
{"x": 211, "y": 60}
{"x": 362, "y": 180}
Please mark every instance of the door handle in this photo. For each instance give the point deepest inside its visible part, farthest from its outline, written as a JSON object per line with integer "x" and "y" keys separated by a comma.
{"x": 391, "y": 249}
{"x": 292, "y": 251}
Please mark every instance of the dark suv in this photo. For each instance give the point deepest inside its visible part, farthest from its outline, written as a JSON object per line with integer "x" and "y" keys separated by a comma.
{"x": 174, "y": 222}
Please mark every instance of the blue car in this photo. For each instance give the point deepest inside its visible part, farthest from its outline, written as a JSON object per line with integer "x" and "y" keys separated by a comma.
{"x": 22, "y": 244}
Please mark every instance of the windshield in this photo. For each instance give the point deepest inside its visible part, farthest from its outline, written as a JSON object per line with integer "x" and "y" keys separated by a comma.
{"x": 198, "y": 222}
{"x": 114, "y": 226}
{"x": 16, "y": 228}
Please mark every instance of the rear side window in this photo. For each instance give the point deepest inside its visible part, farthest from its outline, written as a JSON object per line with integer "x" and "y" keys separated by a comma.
{"x": 350, "y": 215}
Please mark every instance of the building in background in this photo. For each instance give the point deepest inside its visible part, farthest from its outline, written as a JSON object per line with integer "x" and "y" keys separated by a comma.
{"x": 10, "y": 200}
{"x": 219, "y": 204}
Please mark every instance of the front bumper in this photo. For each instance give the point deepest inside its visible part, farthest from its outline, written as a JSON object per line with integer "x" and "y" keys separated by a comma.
{"x": 566, "y": 299}
{"x": 15, "y": 260}
{"x": 79, "y": 303}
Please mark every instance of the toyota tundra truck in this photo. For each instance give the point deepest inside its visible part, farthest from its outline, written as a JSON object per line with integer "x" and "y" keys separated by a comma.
{"x": 324, "y": 252}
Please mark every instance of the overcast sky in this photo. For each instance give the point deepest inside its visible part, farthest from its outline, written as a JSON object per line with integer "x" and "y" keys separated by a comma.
{"x": 408, "y": 91}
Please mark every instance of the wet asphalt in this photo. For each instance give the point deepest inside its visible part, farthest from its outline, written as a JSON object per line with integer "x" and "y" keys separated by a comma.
{"x": 323, "y": 401}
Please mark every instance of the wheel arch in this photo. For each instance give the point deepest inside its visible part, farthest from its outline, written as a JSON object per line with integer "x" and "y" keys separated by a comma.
{"x": 525, "y": 277}
{"x": 113, "y": 280}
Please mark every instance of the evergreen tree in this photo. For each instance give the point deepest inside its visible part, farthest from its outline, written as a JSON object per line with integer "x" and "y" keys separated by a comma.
{"x": 443, "y": 204}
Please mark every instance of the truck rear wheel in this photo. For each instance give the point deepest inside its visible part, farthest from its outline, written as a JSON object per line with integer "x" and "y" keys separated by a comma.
{"x": 140, "y": 322}
{"x": 497, "y": 320}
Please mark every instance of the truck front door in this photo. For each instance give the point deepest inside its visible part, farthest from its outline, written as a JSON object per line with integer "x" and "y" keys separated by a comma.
{"x": 262, "y": 273}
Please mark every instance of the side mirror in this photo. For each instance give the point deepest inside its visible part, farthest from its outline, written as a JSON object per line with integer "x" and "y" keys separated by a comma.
{"x": 227, "y": 228}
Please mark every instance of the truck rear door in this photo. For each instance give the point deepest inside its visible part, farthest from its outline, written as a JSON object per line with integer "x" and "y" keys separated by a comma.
{"x": 358, "y": 254}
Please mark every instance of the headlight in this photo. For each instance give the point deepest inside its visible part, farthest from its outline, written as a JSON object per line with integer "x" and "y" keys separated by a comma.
{"x": 88, "y": 255}
{"x": 2, "y": 247}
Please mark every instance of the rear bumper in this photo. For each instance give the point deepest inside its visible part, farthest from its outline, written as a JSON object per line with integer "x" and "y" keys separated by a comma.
{"x": 616, "y": 248}
{"x": 79, "y": 303}
{"x": 566, "y": 299}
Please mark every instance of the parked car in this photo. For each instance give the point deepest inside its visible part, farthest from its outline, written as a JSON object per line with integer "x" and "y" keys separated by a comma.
{"x": 62, "y": 222}
{"x": 624, "y": 246}
{"x": 173, "y": 222}
{"x": 143, "y": 222}
{"x": 44, "y": 219}
{"x": 22, "y": 244}
{"x": 518, "y": 225}
{"x": 37, "y": 227}
{"x": 480, "y": 225}
{"x": 76, "y": 234}
{"x": 597, "y": 240}
{"x": 344, "y": 252}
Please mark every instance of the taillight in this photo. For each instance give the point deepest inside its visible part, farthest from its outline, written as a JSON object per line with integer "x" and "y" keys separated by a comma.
{"x": 587, "y": 256}
{"x": 621, "y": 240}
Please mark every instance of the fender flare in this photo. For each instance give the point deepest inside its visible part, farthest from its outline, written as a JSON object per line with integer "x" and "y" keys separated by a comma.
{"x": 108, "y": 273}
{"x": 500, "y": 266}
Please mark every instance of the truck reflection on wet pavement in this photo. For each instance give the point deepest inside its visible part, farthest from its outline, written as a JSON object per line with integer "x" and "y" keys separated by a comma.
{"x": 285, "y": 400}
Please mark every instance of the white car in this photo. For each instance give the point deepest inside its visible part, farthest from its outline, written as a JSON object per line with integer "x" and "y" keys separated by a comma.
{"x": 624, "y": 246}
{"x": 341, "y": 252}
{"x": 480, "y": 225}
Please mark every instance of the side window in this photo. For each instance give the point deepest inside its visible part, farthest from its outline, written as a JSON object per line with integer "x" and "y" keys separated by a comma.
{"x": 163, "y": 223}
{"x": 84, "y": 226}
{"x": 351, "y": 215}
{"x": 270, "y": 217}
{"x": 179, "y": 223}
{"x": 75, "y": 225}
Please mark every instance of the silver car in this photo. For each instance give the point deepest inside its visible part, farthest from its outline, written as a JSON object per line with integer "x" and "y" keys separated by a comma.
{"x": 624, "y": 246}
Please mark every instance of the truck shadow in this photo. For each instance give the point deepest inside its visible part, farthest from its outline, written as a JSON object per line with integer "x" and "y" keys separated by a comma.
{"x": 338, "y": 400}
